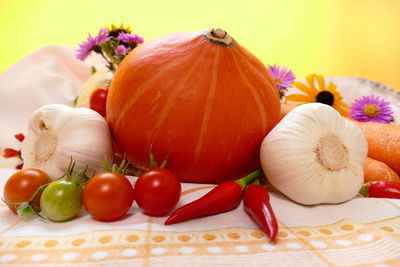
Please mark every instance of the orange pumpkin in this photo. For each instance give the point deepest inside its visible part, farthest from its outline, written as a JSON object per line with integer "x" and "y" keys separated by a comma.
{"x": 199, "y": 97}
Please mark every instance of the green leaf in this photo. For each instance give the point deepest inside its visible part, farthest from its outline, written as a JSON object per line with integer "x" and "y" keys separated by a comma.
{"x": 93, "y": 69}
{"x": 76, "y": 100}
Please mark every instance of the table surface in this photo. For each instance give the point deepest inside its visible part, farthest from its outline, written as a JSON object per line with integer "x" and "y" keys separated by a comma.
{"x": 360, "y": 232}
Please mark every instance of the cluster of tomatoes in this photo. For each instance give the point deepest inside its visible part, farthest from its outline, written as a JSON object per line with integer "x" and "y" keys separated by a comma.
{"x": 106, "y": 197}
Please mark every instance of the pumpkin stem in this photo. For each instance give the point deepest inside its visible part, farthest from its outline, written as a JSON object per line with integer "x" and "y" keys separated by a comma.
{"x": 219, "y": 36}
{"x": 218, "y": 33}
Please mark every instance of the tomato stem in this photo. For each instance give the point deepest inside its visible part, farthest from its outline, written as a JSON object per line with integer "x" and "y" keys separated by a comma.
{"x": 37, "y": 192}
{"x": 81, "y": 178}
{"x": 165, "y": 160}
{"x": 13, "y": 204}
{"x": 106, "y": 166}
{"x": 141, "y": 168}
{"x": 70, "y": 169}
{"x": 153, "y": 163}
{"x": 121, "y": 169}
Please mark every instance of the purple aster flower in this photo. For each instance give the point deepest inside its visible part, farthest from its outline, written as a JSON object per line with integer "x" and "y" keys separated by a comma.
{"x": 282, "y": 77}
{"x": 371, "y": 108}
{"x": 130, "y": 38}
{"x": 121, "y": 49}
{"x": 86, "y": 47}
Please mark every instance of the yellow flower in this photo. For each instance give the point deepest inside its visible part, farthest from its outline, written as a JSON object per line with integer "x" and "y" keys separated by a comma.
{"x": 114, "y": 30}
{"x": 322, "y": 94}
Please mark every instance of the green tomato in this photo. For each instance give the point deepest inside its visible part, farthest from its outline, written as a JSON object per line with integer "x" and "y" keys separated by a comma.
{"x": 61, "y": 200}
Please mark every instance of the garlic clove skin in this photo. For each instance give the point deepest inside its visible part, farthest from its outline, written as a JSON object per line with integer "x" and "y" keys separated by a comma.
{"x": 315, "y": 156}
{"x": 58, "y": 132}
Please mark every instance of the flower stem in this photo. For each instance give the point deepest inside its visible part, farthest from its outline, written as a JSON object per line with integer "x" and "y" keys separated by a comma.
{"x": 110, "y": 65}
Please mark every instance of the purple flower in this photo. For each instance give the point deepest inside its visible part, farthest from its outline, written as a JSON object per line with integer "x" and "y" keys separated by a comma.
{"x": 130, "y": 38}
{"x": 282, "y": 77}
{"x": 371, "y": 108}
{"x": 86, "y": 47}
{"x": 121, "y": 49}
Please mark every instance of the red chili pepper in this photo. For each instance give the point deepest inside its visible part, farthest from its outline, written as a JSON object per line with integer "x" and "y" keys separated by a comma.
{"x": 9, "y": 153}
{"x": 381, "y": 189}
{"x": 20, "y": 137}
{"x": 257, "y": 205}
{"x": 224, "y": 197}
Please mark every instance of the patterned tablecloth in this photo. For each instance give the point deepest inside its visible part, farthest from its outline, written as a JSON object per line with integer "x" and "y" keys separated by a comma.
{"x": 360, "y": 232}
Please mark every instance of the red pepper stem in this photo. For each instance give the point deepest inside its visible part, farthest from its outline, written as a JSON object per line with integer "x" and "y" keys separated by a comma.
{"x": 364, "y": 189}
{"x": 244, "y": 181}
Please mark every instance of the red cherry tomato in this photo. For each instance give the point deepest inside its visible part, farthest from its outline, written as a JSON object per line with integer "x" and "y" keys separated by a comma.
{"x": 22, "y": 185}
{"x": 157, "y": 191}
{"x": 98, "y": 100}
{"x": 108, "y": 196}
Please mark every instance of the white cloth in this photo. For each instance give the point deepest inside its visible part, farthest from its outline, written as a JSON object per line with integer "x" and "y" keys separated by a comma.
{"x": 48, "y": 76}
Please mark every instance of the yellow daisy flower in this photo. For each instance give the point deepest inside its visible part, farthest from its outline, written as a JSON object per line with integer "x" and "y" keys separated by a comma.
{"x": 114, "y": 30}
{"x": 322, "y": 94}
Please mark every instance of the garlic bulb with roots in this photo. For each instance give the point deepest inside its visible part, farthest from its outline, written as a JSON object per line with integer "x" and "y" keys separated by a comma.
{"x": 315, "y": 156}
{"x": 56, "y": 133}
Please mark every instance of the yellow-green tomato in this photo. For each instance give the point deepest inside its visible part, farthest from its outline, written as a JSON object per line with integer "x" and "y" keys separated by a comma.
{"x": 61, "y": 200}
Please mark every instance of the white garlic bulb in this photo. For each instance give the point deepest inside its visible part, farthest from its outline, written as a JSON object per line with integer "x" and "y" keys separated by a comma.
{"x": 315, "y": 156}
{"x": 57, "y": 132}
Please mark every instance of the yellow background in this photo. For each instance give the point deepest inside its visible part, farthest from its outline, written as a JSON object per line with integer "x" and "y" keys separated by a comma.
{"x": 338, "y": 37}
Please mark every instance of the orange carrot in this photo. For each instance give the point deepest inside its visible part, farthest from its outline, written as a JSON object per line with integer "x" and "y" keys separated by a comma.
{"x": 383, "y": 142}
{"x": 375, "y": 170}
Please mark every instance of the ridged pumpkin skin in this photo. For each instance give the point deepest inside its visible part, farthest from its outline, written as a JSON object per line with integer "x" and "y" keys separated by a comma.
{"x": 208, "y": 105}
